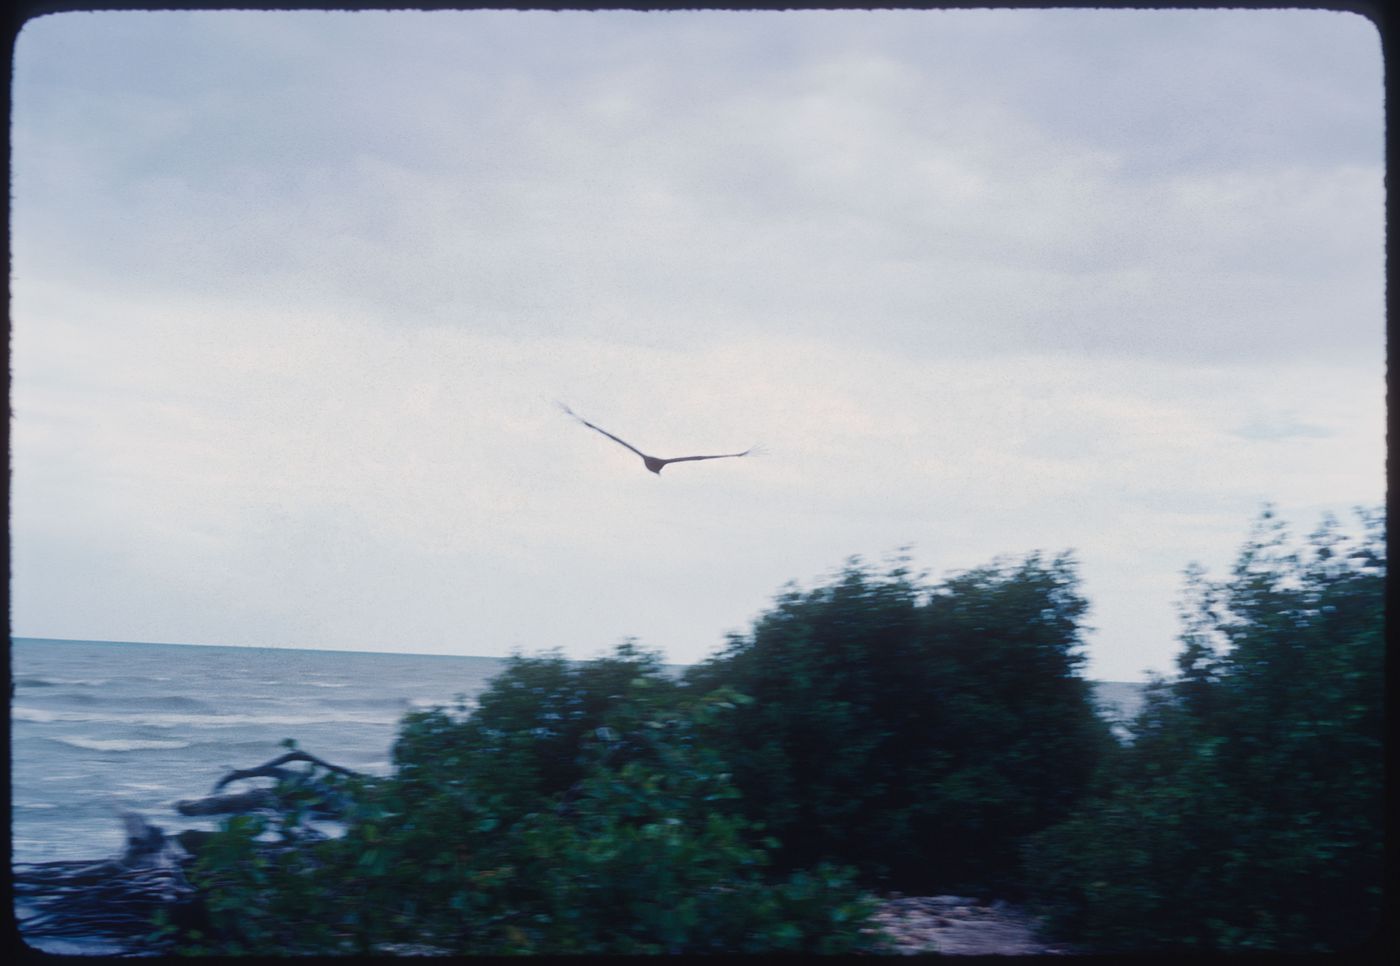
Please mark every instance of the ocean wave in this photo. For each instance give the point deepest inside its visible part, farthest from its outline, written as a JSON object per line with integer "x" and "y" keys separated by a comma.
{"x": 100, "y": 707}
{"x": 161, "y": 702}
{"x": 45, "y": 716}
{"x": 53, "y": 682}
{"x": 39, "y": 716}
{"x": 121, "y": 744}
{"x": 422, "y": 704}
{"x": 365, "y": 703}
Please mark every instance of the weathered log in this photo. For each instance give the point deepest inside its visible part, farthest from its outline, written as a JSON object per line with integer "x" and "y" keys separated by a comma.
{"x": 145, "y": 843}
{"x": 265, "y": 799}
{"x": 236, "y": 804}
{"x": 108, "y": 906}
{"x": 271, "y": 769}
{"x": 112, "y": 902}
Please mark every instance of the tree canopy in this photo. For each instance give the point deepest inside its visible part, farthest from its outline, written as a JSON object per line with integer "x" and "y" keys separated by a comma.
{"x": 876, "y": 732}
{"x": 1247, "y": 813}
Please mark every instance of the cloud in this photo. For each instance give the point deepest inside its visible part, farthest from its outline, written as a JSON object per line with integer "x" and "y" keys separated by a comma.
{"x": 588, "y": 184}
{"x": 1281, "y": 426}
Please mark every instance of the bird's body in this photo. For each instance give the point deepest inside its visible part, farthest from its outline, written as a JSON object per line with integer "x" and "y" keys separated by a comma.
{"x": 653, "y": 463}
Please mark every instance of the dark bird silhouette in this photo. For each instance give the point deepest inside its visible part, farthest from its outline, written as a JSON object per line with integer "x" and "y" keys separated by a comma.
{"x": 653, "y": 463}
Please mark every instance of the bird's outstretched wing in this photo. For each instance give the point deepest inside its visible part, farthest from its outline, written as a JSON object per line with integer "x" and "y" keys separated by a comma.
{"x": 610, "y": 435}
{"x": 719, "y": 456}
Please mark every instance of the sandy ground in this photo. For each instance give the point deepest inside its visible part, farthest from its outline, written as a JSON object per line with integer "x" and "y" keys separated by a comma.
{"x": 956, "y": 925}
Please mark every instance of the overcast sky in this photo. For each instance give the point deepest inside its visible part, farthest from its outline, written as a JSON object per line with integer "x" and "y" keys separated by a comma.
{"x": 294, "y": 294}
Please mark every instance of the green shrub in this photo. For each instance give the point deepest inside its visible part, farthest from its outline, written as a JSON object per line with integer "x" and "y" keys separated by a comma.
{"x": 576, "y": 810}
{"x": 935, "y": 738}
{"x": 917, "y": 733}
{"x": 525, "y": 739}
{"x": 652, "y": 856}
{"x": 1247, "y": 814}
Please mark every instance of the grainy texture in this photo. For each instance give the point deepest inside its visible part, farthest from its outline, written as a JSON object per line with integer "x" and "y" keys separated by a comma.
{"x": 956, "y": 925}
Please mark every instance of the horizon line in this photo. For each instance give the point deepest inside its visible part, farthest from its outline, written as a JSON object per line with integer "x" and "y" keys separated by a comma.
{"x": 340, "y": 650}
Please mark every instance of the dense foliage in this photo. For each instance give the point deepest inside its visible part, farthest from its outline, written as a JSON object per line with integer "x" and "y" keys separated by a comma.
{"x": 916, "y": 733}
{"x": 1247, "y": 812}
{"x": 574, "y": 811}
{"x": 873, "y": 733}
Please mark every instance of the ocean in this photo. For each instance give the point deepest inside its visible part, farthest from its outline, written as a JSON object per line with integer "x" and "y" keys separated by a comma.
{"x": 100, "y": 728}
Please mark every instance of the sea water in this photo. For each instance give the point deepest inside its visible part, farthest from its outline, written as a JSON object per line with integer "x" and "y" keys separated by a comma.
{"x": 100, "y": 728}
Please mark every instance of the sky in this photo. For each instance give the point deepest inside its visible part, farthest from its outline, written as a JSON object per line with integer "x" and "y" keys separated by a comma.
{"x": 294, "y": 296}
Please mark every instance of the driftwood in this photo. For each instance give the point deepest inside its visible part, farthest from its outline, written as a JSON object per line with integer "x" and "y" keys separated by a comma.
{"x": 329, "y": 804}
{"x": 108, "y": 906}
{"x": 273, "y": 769}
{"x": 109, "y": 903}
{"x": 249, "y": 801}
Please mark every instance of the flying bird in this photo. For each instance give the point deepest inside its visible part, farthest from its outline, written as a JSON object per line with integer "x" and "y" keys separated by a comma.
{"x": 653, "y": 463}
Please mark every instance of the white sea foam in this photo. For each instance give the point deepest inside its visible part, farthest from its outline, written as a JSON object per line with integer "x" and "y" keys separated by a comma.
{"x": 450, "y": 703}
{"x": 171, "y": 720}
{"x": 39, "y": 716}
{"x": 121, "y": 744}
{"x": 50, "y": 681}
